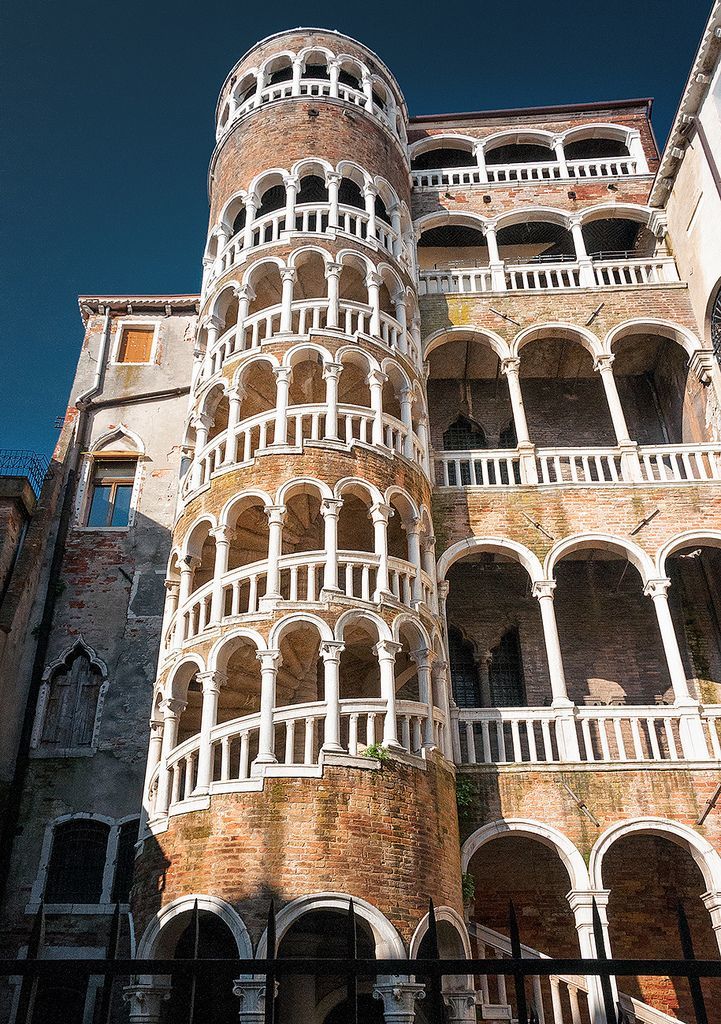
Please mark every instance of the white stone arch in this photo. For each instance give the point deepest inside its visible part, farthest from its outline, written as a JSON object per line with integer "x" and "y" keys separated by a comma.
{"x": 706, "y": 857}
{"x": 482, "y": 335}
{"x": 204, "y": 517}
{"x": 305, "y": 250}
{"x": 393, "y": 369}
{"x": 519, "y": 136}
{"x": 310, "y": 51}
{"x": 310, "y": 165}
{"x": 217, "y": 651}
{"x": 551, "y": 331}
{"x": 651, "y": 325}
{"x": 251, "y": 74}
{"x": 253, "y": 360}
{"x": 408, "y": 619}
{"x": 167, "y": 925}
{"x": 604, "y": 541}
{"x": 229, "y": 211}
{"x": 386, "y": 191}
{"x": 211, "y": 396}
{"x": 288, "y": 622}
{"x": 300, "y": 483}
{"x": 354, "y": 172}
{"x": 357, "y": 355}
{"x": 445, "y": 140}
{"x": 383, "y": 631}
{"x": 346, "y": 257}
{"x": 254, "y": 271}
{"x": 360, "y": 69}
{"x": 290, "y": 358}
{"x": 496, "y": 545}
{"x": 128, "y": 439}
{"x": 446, "y": 218}
{"x": 691, "y": 538}
{"x": 531, "y": 214}
{"x": 389, "y": 274}
{"x": 529, "y": 828}
{"x": 226, "y": 294}
{"x": 450, "y": 916}
{"x": 396, "y": 491}
{"x": 268, "y": 178}
{"x": 274, "y": 58}
{"x": 389, "y": 944}
{"x": 615, "y": 210}
{"x": 251, "y": 492}
{"x": 359, "y": 484}
{"x": 599, "y": 130}
{"x": 172, "y": 688}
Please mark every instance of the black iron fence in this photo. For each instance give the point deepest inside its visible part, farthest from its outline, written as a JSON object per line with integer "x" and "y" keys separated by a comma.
{"x": 431, "y": 968}
{"x": 20, "y": 462}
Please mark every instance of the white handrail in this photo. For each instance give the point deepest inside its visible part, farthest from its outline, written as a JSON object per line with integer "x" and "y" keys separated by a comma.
{"x": 547, "y": 170}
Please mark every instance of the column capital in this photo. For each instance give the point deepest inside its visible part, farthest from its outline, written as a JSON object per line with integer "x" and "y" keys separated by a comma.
{"x": 291, "y": 181}
{"x": 333, "y": 178}
{"x": 575, "y": 220}
{"x": 411, "y": 525}
{"x": 212, "y": 680}
{"x": 543, "y": 588}
{"x": 244, "y": 291}
{"x": 172, "y": 586}
{"x": 386, "y": 650}
{"x": 557, "y": 140}
{"x": 188, "y": 563}
{"x": 212, "y": 321}
{"x": 331, "y": 650}
{"x": 376, "y": 377}
{"x": 511, "y": 364}
{"x": 399, "y": 1000}
{"x": 423, "y": 657}
{"x": 287, "y": 274}
{"x": 330, "y": 506}
{"x": 373, "y": 278}
{"x": 380, "y": 513}
{"x": 275, "y": 513}
{"x": 479, "y": 145}
{"x": 369, "y": 190}
{"x": 251, "y": 993}
{"x": 236, "y": 393}
{"x": 490, "y": 225}
{"x": 145, "y": 1000}
{"x": 269, "y": 659}
{"x": 282, "y": 372}
{"x": 443, "y": 587}
{"x": 656, "y": 588}
{"x": 222, "y": 533}
{"x": 604, "y": 362}
{"x": 428, "y": 542}
{"x": 172, "y": 707}
{"x": 201, "y": 421}
{"x": 332, "y": 269}
{"x": 582, "y": 899}
{"x": 461, "y": 1006}
{"x": 332, "y": 370}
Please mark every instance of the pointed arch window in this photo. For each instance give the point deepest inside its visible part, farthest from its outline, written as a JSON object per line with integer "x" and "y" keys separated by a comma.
{"x": 72, "y": 702}
{"x": 464, "y": 672}
{"x": 464, "y": 434}
{"x": 109, "y": 495}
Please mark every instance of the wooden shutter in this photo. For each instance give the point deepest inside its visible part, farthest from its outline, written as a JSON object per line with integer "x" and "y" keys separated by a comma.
{"x": 136, "y": 344}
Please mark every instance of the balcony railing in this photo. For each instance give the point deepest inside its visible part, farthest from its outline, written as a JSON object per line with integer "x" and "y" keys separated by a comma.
{"x": 301, "y": 580}
{"x": 306, "y": 424}
{"x": 298, "y": 739}
{"x": 307, "y": 315}
{"x": 553, "y": 276}
{"x": 310, "y": 218}
{"x": 23, "y": 463}
{"x": 548, "y": 170}
{"x": 604, "y": 735}
{"x": 650, "y": 464}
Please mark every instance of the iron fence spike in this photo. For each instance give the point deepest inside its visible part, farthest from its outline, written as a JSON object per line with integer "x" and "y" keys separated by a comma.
{"x": 519, "y": 980}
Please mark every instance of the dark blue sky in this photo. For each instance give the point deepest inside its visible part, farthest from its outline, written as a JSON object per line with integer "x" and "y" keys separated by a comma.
{"x": 107, "y": 128}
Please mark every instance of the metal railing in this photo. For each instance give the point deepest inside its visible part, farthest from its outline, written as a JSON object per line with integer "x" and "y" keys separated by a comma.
{"x": 24, "y": 463}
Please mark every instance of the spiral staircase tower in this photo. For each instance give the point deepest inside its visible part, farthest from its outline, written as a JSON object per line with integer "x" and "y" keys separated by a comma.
{"x": 301, "y": 629}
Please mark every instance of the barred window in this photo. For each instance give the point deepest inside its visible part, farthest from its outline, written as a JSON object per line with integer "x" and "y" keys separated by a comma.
{"x": 74, "y": 689}
{"x": 505, "y": 673}
{"x": 464, "y": 673}
{"x": 77, "y": 862}
{"x": 464, "y": 435}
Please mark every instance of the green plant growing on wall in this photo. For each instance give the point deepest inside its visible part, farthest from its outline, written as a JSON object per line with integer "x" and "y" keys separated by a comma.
{"x": 377, "y": 752}
{"x": 464, "y": 795}
{"x": 468, "y": 887}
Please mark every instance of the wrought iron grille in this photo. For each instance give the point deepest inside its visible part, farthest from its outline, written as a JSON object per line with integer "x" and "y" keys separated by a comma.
{"x": 21, "y": 462}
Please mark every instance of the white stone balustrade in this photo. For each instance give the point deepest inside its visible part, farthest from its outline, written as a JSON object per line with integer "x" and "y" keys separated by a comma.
{"x": 444, "y": 177}
{"x": 606, "y": 735}
{"x": 300, "y": 580}
{"x": 298, "y": 738}
{"x": 649, "y": 464}
{"x": 558, "y": 276}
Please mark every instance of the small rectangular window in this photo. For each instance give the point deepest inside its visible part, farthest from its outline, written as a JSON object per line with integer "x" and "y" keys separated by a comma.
{"x": 110, "y": 492}
{"x": 136, "y": 344}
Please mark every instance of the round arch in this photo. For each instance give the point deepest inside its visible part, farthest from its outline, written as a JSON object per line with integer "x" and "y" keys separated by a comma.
{"x": 563, "y": 331}
{"x": 287, "y": 623}
{"x": 299, "y": 483}
{"x": 450, "y": 916}
{"x": 358, "y": 483}
{"x": 597, "y": 131}
{"x": 606, "y": 541}
{"x": 447, "y": 140}
{"x": 531, "y": 829}
{"x": 449, "y": 218}
{"x": 610, "y": 211}
{"x": 523, "y": 136}
{"x": 262, "y": 496}
{"x": 707, "y": 538}
{"x": 706, "y": 857}
{"x": 167, "y": 924}
{"x": 242, "y": 633}
{"x": 361, "y": 615}
{"x": 389, "y": 944}
{"x": 481, "y": 334}
{"x": 406, "y": 619}
{"x": 529, "y": 214}
{"x": 496, "y": 545}
{"x": 647, "y": 325}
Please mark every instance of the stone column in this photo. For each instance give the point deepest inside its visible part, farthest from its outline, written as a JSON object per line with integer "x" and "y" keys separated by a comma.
{"x": 385, "y": 651}
{"x": 202, "y": 425}
{"x": 565, "y": 710}
{"x": 480, "y": 155}
{"x": 399, "y": 308}
{"x": 380, "y": 514}
{"x": 186, "y": 567}
{"x": 399, "y": 1000}
{"x": 712, "y": 902}
{"x": 423, "y": 441}
{"x": 172, "y": 589}
{"x": 269, "y": 664}
{"x": 235, "y": 397}
{"x": 630, "y": 465}
{"x": 636, "y": 150}
{"x": 368, "y": 93}
{"x": 332, "y": 181}
{"x": 406, "y": 403}
{"x": 291, "y": 189}
{"x": 442, "y": 690}
{"x": 145, "y": 1000}
{"x": 373, "y": 284}
{"x": 331, "y": 372}
{"x": 212, "y": 683}
{"x": 332, "y": 276}
{"x": 412, "y": 529}
{"x": 287, "y": 277}
{"x": 172, "y": 710}
{"x": 155, "y": 748}
{"x": 251, "y": 205}
{"x": 369, "y": 195}
{"x": 330, "y": 510}
{"x": 259, "y": 86}
{"x": 462, "y": 1006}
{"x": 498, "y": 270}
{"x": 560, "y": 156}
{"x": 245, "y": 295}
{"x": 587, "y": 277}
{"x": 334, "y": 71}
{"x": 511, "y": 367}
{"x": 297, "y": 72}
{"x": 395, "y": 215}
{"x": 330, "y": 651}
{"x": 423, "y": 659}
{"x": 282, "y": 385}
{"x": 581, "y": 904}
{"x": 276, "y": 515}
{"x": 222, "y": 535}
{"x": 251, "y": 993}
{"x": 375, "y": 381}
